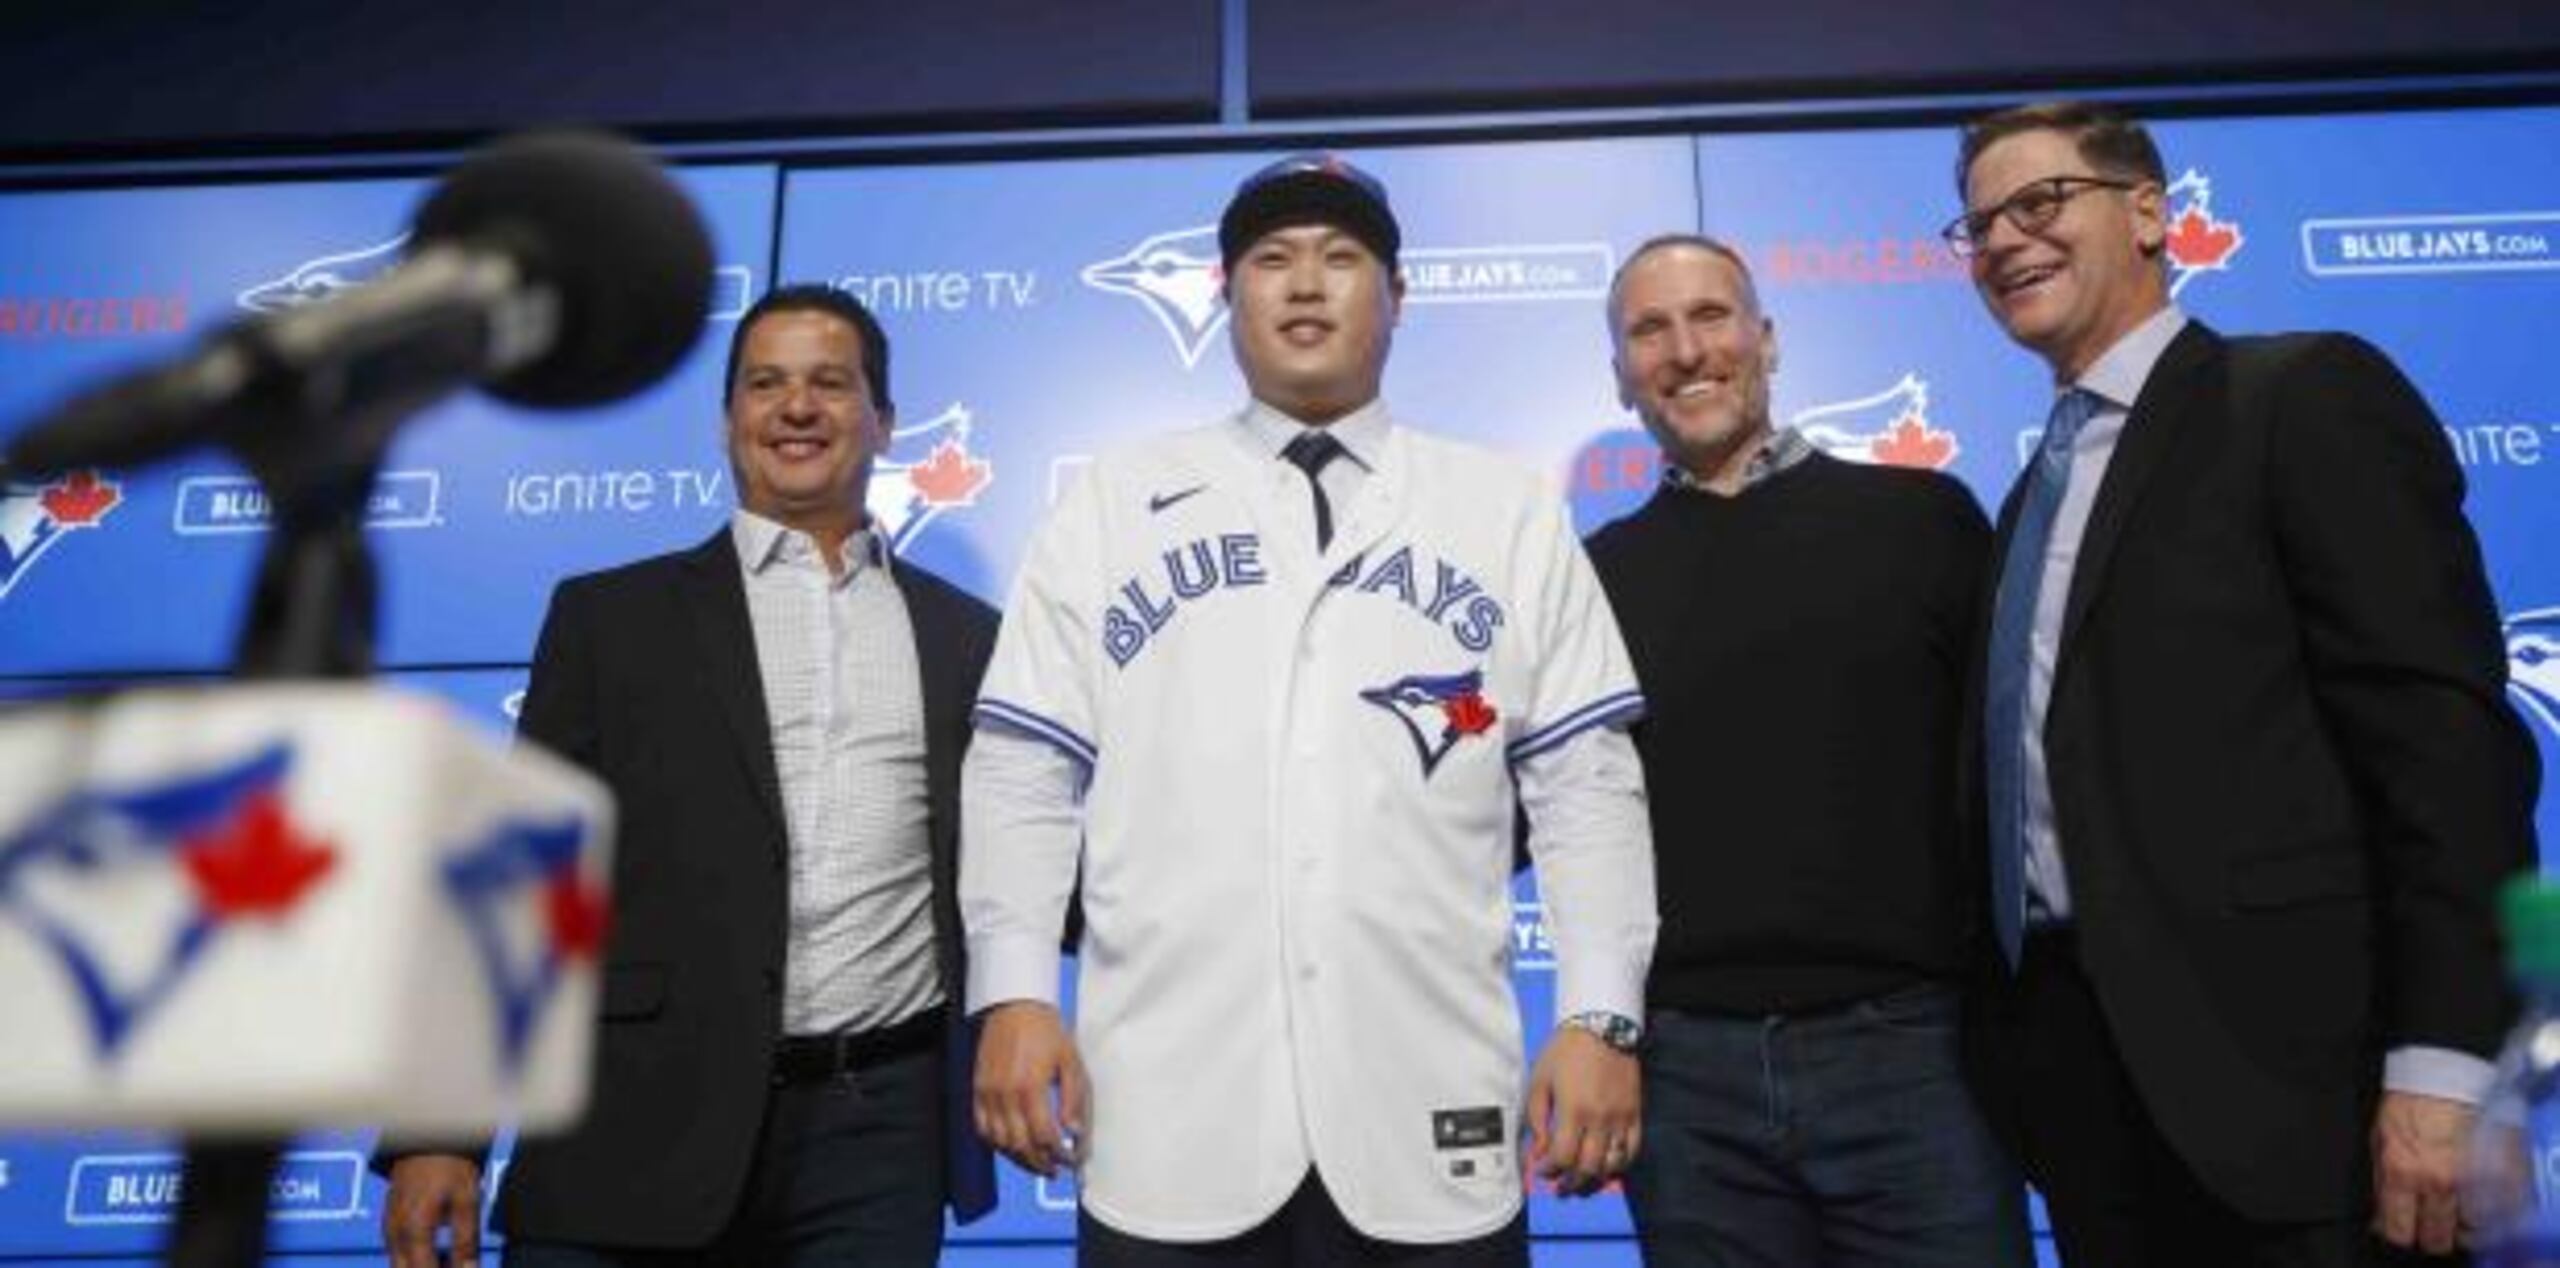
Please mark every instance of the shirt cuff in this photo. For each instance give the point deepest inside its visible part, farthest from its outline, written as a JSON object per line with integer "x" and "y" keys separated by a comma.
{"x": 2448, "y": 1073}
{"x": 1005, "y": 969}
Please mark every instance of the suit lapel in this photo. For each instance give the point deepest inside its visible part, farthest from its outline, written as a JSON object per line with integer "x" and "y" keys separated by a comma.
{"x": 716, "y": 598}
{"x": 2171, "y": 399}
{"x": 932, "y": 635}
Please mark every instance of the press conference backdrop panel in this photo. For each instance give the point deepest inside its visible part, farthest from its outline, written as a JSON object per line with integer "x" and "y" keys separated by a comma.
{"x": 1045, "y": 311}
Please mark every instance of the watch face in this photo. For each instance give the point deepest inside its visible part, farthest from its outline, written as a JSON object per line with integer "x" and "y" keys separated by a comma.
{"x": 1621, "y": 1033}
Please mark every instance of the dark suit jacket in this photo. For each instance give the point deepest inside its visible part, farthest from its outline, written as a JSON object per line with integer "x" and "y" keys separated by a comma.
{"x": 646, "y": 675}
{"x": 2284, "y": 772}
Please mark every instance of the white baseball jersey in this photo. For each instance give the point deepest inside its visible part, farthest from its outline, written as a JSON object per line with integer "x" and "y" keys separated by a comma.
{"x": 1298, "y": 827}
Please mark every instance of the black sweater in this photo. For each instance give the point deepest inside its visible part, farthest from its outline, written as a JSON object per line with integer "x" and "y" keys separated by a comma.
{"x": 1801, "y": 649}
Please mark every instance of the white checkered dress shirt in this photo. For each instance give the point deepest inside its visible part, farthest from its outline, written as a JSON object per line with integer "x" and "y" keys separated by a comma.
{"x": 843, "y": 694}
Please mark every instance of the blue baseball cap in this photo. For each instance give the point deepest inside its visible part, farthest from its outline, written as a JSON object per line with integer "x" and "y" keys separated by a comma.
{"x": 1303, "y": 189}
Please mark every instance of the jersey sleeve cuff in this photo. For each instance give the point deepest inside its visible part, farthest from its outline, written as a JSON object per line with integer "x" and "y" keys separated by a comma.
{"x": 1037, "y": 725}
{"x": 1603, "y": 988}
{"x": 1005, "y": 969}
{"x": 1617, "y": 708}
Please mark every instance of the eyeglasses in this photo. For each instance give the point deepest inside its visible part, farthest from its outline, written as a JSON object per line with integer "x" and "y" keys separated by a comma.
{"x": 2030, "y": 209}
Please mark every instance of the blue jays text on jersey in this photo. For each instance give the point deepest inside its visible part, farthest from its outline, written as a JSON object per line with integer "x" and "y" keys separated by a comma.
{"x": 1147, "y": 603}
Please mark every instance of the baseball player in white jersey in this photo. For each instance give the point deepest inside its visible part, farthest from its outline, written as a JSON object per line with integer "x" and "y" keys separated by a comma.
{"x": 1270, "y": 688}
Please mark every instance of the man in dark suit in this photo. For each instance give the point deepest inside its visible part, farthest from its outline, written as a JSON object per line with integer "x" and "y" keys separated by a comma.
{"x": 780, "y": 712}
{"x": 2248, "y": 771}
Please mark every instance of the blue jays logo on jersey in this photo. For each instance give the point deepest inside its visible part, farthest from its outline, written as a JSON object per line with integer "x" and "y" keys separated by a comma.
{"x": 532, "y": 912}
{"x": 317, "y": 279}
{"x": 194, "y": 854}
{"x": 33, "y": 517}
{"x": 2199, "y": 242}
{"x": 927, "y": 469}
{"x": 2533, "y": 665}
{"x": 1436, "y": 710}
{"x": 1890, "y": 427}
{"x": 1177, "y": 277}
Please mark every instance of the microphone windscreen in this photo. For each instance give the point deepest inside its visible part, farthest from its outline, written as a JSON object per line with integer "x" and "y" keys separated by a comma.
{"x": 594, "y": 219}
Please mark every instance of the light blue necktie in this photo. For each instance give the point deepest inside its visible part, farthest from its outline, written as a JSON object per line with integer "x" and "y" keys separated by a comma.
{"x": 2011, "y": 658}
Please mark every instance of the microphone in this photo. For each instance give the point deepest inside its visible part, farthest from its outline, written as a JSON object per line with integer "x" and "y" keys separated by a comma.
{"x": 558, "y": 270}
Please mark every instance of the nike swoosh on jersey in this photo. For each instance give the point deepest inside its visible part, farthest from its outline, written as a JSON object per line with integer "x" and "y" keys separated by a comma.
{"x": 1160, "y": 501}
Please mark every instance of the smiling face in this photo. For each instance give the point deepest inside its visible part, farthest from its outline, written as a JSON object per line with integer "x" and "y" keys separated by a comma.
{"x": 2070, "y": 289}
{"x": 802, "y": 426}
{"x": 1312, "y": 310}
{"x": 1693, "y": 357}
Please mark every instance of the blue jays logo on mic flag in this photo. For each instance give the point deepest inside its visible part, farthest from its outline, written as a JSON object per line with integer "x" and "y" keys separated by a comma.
{"x": 35, "y": 516}
{"x": 2533, "y": 665}
{"x": 927, "y": 469}
{"x": 317, "y": 279}
{"x": 1176, "y": 275}
{"x": 526, "y": 875}
{"x": 1437, "y": 711}
{"x": 200, "y": 851}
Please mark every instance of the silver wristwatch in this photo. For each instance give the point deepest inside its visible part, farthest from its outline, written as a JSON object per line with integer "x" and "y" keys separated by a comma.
{"x": 1618, "y": 1031}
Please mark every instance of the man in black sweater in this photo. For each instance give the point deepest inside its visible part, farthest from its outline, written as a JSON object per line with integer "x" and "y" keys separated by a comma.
{"x": 1799, "y": 626}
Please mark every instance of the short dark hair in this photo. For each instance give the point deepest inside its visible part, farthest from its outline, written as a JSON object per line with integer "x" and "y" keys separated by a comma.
{"x": 2109, "y": 140}
{"x": 1708, "y": 243}
{"x": 815, "y": 297}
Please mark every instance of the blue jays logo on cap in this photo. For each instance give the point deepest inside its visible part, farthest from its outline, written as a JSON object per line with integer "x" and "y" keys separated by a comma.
{"x": 1437, "y": 711}
{"x": 211, "y": 849}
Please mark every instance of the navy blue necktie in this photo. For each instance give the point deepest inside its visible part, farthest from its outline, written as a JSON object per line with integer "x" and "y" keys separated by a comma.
{"x": 2011, "y": 659}
{"x": 1308, "y": 453}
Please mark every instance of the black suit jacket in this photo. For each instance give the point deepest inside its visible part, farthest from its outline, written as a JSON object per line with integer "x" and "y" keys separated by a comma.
{"x": 646, "y": 675}
{"x": 2284, "y": 773}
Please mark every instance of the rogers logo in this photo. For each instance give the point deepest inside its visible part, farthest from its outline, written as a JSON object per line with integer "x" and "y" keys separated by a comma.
{"x": 1859, "y": 262}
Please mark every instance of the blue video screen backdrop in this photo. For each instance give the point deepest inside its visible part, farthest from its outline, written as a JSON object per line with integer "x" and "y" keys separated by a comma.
{"x": 479, "y": 508}
{"x": 1044, "y": 311}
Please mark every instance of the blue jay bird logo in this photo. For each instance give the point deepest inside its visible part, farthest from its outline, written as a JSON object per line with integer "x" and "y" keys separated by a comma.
{"x": 532, "y": 913}
{"x": 1890, "y": 427}
{"x": 1177, "y": 276}
{"x": 2533, "y": 665}
{"x": 198, "y": 853}
{"x": 317, "y": 279}
{"x": 927, "y": 469}
{"x": 34, "y": 517}
{"x": 1437, "y": 711}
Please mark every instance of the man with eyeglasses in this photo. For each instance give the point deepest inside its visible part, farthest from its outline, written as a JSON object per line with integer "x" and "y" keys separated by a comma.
{"x": 2248, "y": 774}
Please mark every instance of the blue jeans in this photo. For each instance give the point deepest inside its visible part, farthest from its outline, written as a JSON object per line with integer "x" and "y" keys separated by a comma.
{"x": 1840, "y": 1137}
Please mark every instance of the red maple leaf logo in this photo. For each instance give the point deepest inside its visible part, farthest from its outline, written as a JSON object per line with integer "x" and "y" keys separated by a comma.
{"x": 576, "y": 914}
{"x": 950, "y": 477}
{"x": 2198, "y": 241}
{"x": 257, "y": 864}
{"x": 1468, "y": 714}
{"x": 1911, "y": 442}
{"x": 78, "y": 499}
